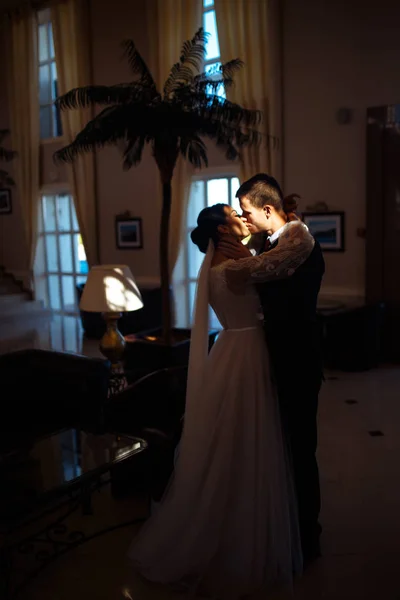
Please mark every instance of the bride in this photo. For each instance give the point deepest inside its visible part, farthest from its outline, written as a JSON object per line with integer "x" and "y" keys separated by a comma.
{"x": 227, "y": 524}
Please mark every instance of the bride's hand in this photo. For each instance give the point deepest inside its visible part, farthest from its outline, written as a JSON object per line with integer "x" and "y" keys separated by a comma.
{"x": 290, "y": 206}
{"x": 291, "y": 216}
{"x": 232, "y": 248}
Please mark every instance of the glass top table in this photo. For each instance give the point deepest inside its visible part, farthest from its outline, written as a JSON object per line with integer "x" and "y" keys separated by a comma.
{"x": 57, "y": 465}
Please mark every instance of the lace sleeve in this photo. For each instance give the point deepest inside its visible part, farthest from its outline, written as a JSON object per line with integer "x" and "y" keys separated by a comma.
{"x": 294, "y": 247}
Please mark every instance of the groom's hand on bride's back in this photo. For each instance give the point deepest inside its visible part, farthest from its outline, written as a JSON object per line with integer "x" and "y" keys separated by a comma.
{"x": 232, "y": 248}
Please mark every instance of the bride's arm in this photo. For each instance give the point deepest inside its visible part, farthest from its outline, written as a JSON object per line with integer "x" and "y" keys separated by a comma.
{"x": 294, "y": 247}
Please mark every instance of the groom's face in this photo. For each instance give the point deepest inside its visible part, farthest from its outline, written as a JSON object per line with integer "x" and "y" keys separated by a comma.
{"x": 256, "y": 219}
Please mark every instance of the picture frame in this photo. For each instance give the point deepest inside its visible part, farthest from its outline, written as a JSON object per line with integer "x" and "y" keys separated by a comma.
{"x": 328, "y": 228}
{"x": 128, "y": 233}
{"x": 5, "y": 201}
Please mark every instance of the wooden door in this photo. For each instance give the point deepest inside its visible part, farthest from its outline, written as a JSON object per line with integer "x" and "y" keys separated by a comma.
{"x": 383, "y": 220}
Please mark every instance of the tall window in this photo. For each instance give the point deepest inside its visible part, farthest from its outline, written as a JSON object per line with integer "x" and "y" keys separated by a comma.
{"x": 212, "y": 60}
{"x": 205, "y": 191}
{"x": 60, "y": 258}
{"x": 50, "y": 121}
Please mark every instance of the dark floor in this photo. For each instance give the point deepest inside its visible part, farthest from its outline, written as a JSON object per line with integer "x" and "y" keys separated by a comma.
{"x": 360, "y": 476}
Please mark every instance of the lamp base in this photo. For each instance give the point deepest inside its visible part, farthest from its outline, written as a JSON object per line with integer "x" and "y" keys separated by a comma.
{"x": 112, "y": 344}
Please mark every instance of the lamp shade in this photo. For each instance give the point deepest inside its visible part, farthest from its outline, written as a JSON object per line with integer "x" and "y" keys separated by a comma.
{"x": 110, "y": 288}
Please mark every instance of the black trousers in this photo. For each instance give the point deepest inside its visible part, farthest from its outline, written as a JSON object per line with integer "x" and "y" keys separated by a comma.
{"x": 298, "y": 377}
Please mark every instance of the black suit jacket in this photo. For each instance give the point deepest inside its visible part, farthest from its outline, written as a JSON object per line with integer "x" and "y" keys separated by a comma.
{"x": 291, "y": 324}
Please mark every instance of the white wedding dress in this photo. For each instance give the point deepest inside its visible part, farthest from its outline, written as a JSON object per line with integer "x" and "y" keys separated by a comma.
{"x": 227, "y": 525}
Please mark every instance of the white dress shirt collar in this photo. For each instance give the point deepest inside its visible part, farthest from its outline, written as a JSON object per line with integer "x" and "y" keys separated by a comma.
{"x": 277, "y": 233}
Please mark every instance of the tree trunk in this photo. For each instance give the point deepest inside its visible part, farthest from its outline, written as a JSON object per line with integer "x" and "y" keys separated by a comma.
{"x": 164, "y": 262}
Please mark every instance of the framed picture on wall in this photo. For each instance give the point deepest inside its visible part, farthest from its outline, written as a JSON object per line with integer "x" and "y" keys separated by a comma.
{"x": 128, "y": 232}
{"x": 5, "y": 201}
{"x": 327, "y": 228}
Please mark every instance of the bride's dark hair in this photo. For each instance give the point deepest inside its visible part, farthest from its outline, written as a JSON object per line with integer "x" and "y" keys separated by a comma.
{"x": 207, "y": 226}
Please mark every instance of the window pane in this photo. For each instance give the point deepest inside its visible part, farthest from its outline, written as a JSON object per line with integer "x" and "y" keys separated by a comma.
{"x": 219, "y": 91}
{"x": 68, "y": 293}
{"x": 63, "y": 213}
{"x": 56, "y": 333}
{"x": 180, "y": 300}
{"x": 80, "y": 280}
{"x": 207, "y": 3}
{"x": 213, "y": 320}
{"x": 56, "y": 122}
{"x": 66, "y": 253}
{"x": 52, "y": 253}
{"x": 43, "y": 43}
{"x": 49, "y": 213}
{"x": 45, "y": 123}
{"x": 40, "y": 263}
{"x": 44, "y": 85}
{"x": 54, "y": 292}
{"x": 210, "y": 26}
{"x": 80, "y": 255}
{"x": 51, "y": 41}
{"x": 41, "y": 292}
{"x": 192, "y": 293}
{"x": 213, "y": 71}
{"x": 234, "y": 188}
{"x": 195, "y": 258}
{"x": 75, "y": 225}
{"x": 70, "y": 334}
{"x": 217, "y": 191}
{"x": 196, "y": 202}
{"x": 53, "y": 87}
{"x": 179, "y": 274}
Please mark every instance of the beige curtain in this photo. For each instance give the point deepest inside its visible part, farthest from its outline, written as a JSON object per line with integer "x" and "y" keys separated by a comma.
{"x": 250, "y": 30}
{"x": 170, "y": 23}
{"x": 70, "y": 22}
{"x": 24, "y": 113}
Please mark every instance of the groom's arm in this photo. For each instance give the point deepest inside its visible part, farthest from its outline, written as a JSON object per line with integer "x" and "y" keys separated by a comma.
{"x": 294, "y": 247}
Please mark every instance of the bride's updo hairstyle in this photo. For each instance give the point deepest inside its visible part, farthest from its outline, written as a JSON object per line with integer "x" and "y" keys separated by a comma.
{"x": 207, "y": 226}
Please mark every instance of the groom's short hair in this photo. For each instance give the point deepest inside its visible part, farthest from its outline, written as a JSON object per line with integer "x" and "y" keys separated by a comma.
{"x": 260, "y": 190}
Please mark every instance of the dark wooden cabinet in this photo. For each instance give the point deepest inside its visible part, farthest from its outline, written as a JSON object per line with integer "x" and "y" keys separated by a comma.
{"x": 352, "y": 337}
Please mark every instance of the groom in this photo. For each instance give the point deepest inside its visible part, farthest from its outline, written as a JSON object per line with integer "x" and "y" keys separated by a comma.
{"x": 293, "y": 339}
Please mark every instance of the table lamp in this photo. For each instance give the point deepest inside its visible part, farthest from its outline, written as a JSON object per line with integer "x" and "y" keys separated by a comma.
{"x": 111, "y": 290}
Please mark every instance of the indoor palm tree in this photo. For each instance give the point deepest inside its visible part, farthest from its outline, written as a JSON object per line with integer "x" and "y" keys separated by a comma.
{"x": 7, "y": 156}
{"x": 173, "y": 121}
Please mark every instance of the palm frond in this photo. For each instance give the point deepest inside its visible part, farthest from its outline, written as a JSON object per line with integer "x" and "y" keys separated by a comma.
{"x": 230, "y": 68}
{"x": 107, "y": 128}
{"x": 215, "y": 107}
{"x": 194, "y": 150}
{"x": 228, "y": 137}
{"x": 179, "y": 75}
{"x": 190, "y": 62}
{"x": 137, "y": 63}
{"x": 123, "y": 93}
{"x": 193, "y": 51}
{"x": 133, "y": 152}
{"x": 189, "y": 110}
